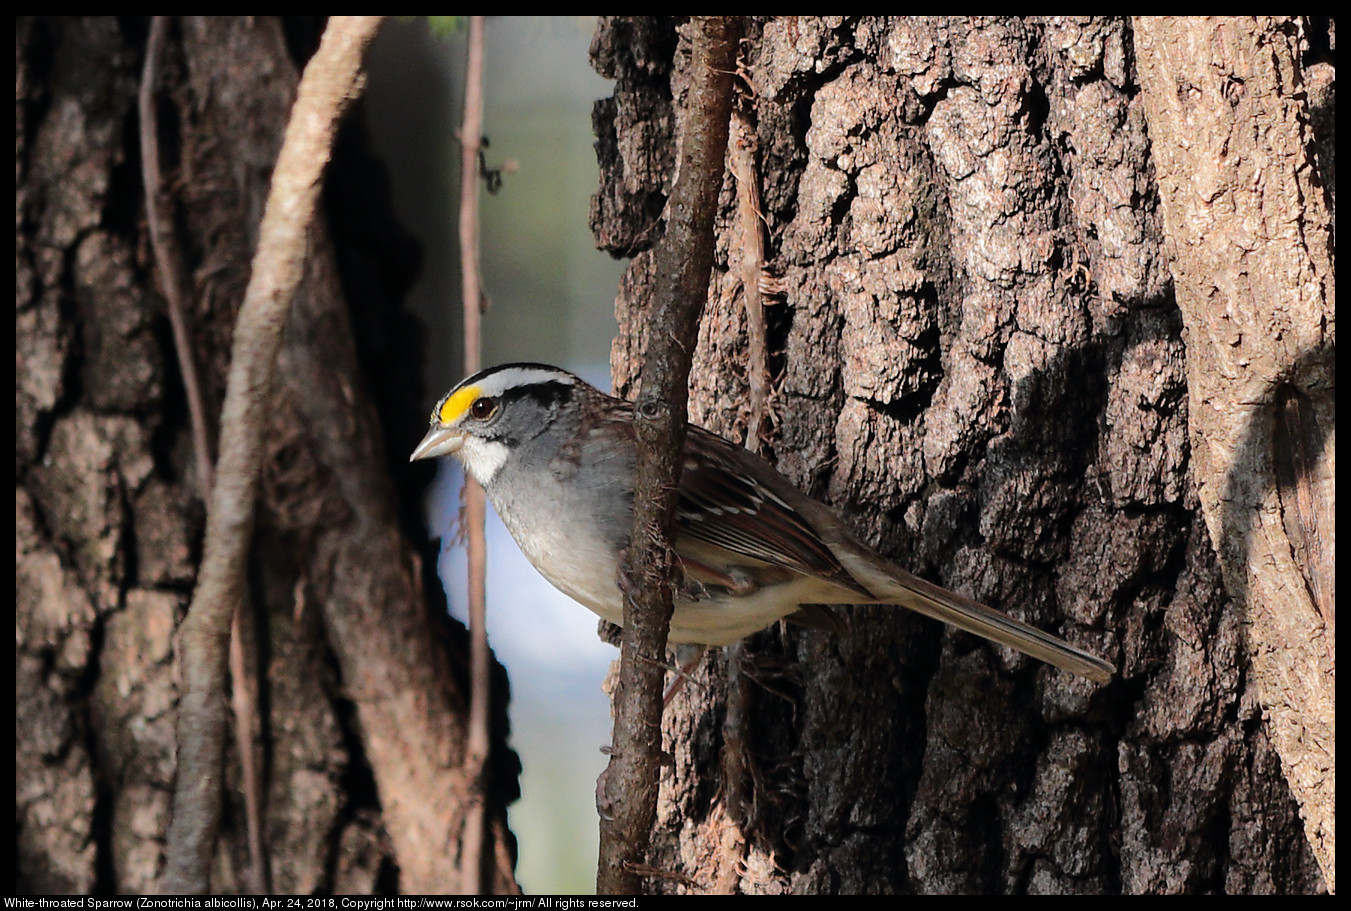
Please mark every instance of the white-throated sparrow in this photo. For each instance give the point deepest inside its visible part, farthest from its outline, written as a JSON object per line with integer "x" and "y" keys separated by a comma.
{"x": 556, "y": 458}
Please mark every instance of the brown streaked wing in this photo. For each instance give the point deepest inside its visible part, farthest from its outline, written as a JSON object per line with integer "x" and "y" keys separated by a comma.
{"x": 721, "y": 503}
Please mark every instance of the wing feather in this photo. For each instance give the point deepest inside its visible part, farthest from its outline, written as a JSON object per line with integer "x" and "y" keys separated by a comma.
{"x": 721, "y": 503}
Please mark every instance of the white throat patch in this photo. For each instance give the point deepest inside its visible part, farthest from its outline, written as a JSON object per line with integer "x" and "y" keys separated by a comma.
{"x": 483, "y": 459}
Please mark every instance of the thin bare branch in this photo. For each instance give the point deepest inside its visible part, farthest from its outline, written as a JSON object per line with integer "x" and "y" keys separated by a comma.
{"x": 168, "y": 257}
{"x": 741, "y": 159}
{"x": 683, "y": 261}
{"x": 332, "y": 80}
{"x": 475, "y": 507}
{"x": 169, "y": 265}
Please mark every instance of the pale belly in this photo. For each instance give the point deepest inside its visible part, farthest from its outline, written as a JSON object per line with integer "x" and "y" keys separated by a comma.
{"x": 567, "y": 556}
{"x": 579, "y": 562}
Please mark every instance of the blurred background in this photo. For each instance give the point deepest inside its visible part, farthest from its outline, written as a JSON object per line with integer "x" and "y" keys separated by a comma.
{"x": 551, "y": 299}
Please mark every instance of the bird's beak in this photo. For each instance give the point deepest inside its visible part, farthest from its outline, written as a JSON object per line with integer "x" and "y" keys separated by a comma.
{"x": 439, "y": 441}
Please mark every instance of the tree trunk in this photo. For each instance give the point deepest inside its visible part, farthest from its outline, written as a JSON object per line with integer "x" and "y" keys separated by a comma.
{"x": 1237, "y": 162}
{"x": 359, "y": 685}
{"x": 974, "y": 353}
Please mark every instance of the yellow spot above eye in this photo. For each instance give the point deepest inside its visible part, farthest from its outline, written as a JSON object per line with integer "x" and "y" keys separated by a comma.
{"x": 456, "y": 405}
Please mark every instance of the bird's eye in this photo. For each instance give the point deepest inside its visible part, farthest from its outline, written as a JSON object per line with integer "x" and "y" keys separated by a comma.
{"x": 483, "y": 407}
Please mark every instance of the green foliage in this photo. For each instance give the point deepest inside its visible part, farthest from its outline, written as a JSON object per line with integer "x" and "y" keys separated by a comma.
{"x": 445, "y": 26}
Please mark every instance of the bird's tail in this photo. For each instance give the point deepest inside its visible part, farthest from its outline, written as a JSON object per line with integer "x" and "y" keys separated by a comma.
{"x": 910, "y": 591}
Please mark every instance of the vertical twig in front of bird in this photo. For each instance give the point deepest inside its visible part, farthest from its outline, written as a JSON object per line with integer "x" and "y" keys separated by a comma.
{"x": 683, "y": 261}
{"x": 475, "y": 508}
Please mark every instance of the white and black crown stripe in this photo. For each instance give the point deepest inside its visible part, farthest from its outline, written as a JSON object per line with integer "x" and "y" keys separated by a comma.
{"x": 548, "y": 386}
{"x": 505, "y": 377}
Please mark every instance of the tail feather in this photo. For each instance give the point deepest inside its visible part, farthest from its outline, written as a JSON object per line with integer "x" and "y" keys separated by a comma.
{"x": 926, "y": 598}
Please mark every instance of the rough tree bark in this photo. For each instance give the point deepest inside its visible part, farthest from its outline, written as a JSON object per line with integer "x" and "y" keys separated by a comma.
{"x": 976, "y": 355}
{"x": 1251, "y": 237}
{"x": 362, "y": 683}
